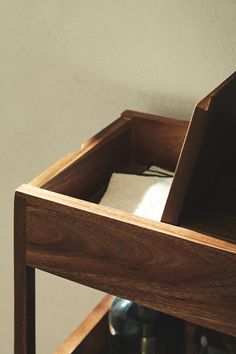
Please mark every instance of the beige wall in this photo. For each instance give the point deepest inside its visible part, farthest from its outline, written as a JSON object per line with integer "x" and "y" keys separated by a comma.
{"x": 68, "y": 68}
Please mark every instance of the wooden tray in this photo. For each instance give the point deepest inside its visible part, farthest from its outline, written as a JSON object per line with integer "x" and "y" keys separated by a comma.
{"x": 60, "y": 229}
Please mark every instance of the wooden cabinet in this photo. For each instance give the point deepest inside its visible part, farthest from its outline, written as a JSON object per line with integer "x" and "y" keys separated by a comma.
{"x": 187, "y": 270}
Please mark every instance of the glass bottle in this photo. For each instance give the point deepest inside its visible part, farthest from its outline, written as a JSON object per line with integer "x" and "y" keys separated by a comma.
{"x": 135, "y": 329}
{"x": 207, "y": 341}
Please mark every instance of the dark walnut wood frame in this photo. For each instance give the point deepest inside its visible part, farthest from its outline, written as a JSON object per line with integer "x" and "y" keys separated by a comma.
{"x": 60, "y": 229}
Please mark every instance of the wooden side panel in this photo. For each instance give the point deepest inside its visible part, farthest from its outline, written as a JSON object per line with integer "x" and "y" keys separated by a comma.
{"x": 83, "y": 174}
{"x": 91, "y": 336}
{"x": 24, "y": 286}
{"x": 54, "y": 170}
{"x": 179, "y": 272}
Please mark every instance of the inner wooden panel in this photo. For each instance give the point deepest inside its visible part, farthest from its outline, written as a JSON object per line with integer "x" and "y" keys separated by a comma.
{"x": 87, "y": 177}
{"x": 133, "y": 142}
{"x": 158, "y": 141}
{"x": 150, "y": 140}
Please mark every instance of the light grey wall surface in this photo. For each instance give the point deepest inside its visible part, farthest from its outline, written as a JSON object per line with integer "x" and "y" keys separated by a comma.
{"x": 67, "y": 69}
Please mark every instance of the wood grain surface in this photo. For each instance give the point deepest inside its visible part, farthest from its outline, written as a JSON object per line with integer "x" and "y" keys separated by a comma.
{"x": 85, "y": 172}
{"x": 174, "y": 270}
{"x": 91, "y": 336}
{"x": 156, "y": 140}
{"x": 184, "y": 273}
{"x": 24, "y": 286}
{"x": 205, "y": 175}
{"x": 130, "y": 144}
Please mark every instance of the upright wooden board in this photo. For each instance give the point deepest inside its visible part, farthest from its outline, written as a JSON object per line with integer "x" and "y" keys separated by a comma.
{"x": 205, "y": 170}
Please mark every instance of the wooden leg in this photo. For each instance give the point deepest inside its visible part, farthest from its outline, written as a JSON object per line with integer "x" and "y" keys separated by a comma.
{"x": 24, "y": 285}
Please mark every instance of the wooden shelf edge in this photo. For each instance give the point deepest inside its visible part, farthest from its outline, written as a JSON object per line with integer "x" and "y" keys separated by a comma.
{"x": 130, "y": 114}
{"x": 185, "y": 269}
{"x": 28, "y": 191}
{"x": 82, "y": 332}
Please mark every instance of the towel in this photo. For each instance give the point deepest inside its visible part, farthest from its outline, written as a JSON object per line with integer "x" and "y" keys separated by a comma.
{"x": 143, "y": 195}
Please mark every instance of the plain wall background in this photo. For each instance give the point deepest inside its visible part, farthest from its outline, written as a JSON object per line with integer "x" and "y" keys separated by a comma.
{"x": 67, "y": 69}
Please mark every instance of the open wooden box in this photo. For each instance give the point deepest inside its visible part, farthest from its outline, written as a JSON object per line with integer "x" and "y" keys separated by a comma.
{"x": 60, "y": 228}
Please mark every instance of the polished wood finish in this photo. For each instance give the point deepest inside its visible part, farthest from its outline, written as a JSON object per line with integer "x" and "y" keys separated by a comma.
{"x": 119, "y": 147}
{"x": 91, "y": 336}
{"x": 156, "y": 140}
{"x": 24, "y": 287}
{"x": 127, "y": 255}
{"x": 203, "y": 192}
{"x": 88, "y": 169}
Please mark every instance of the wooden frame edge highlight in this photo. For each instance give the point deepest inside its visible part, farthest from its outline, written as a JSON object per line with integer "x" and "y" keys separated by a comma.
{"x": 27, "y": 190}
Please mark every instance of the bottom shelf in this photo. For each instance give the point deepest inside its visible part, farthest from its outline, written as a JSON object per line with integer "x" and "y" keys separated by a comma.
{"x": 92, "y": 335}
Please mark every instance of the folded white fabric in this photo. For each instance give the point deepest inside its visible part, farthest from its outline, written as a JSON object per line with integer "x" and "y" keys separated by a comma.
{"x": 143, "y": 195}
